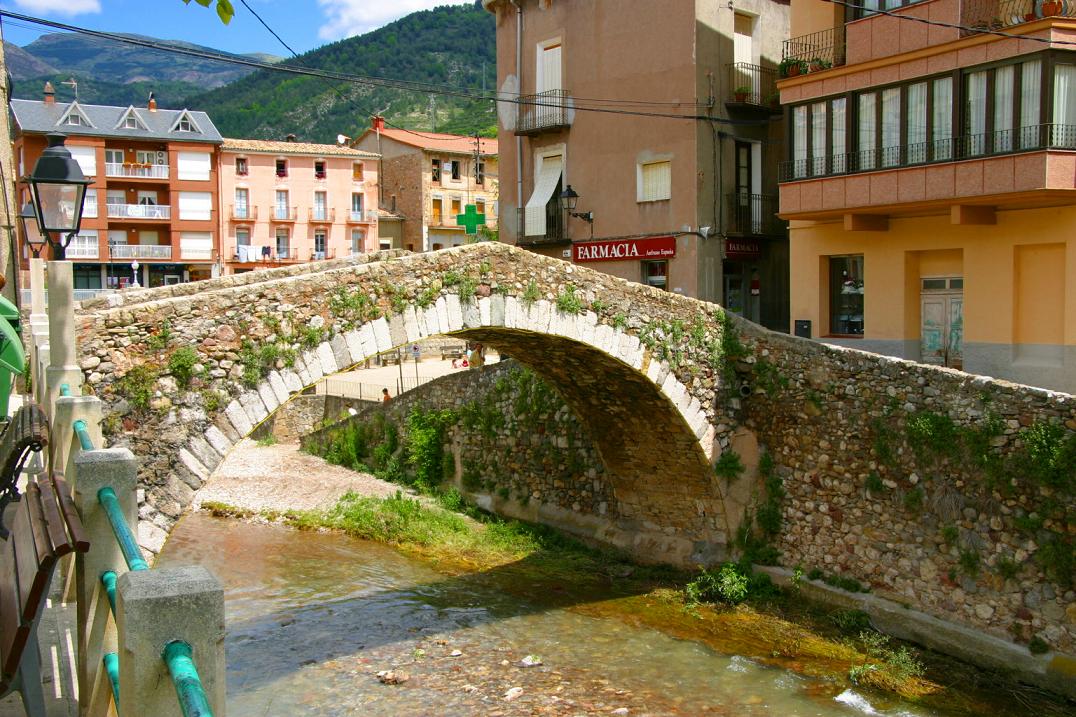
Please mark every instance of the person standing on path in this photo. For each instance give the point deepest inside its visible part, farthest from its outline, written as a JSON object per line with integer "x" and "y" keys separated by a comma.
{"x": 385, "y": 397}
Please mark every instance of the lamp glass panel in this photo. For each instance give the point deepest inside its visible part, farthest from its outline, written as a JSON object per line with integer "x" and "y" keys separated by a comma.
{"x": 60, "y": 206}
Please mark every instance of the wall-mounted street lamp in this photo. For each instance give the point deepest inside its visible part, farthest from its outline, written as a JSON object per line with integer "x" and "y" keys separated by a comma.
{"x": 569, "y": 199}
{"x": 31, "y": 233}
{"x": 58, "y": 187}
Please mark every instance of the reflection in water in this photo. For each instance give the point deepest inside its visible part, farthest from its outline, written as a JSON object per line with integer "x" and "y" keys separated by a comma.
{"x": 312, "y": 617}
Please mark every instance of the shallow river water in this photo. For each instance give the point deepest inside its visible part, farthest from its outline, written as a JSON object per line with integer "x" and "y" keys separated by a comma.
{"x": 312, "y": 618}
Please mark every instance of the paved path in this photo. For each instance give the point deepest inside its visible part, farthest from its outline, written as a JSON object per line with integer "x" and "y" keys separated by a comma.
{"x": 56, "y": 636}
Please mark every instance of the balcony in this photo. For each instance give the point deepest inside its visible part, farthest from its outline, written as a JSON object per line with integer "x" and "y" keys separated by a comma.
{"x": 78, "y": 250}
{"x": 979, "y": 15}
{"x": 143, "y": 212}
{"x": 242, "y": 213}
{"x": 555, "y": 231}
{"x": 136, "y": 170}
{"x": 359, "y": 217}
{"x": 1022, "y": 139}
{"x": 752, "y": 87}
{"x": 285, "y": 214}
{"x": 140, "y": 251}
{"x": 247, "y": 254}
{"x": 322, "y": 215}
{"x": 316, "y": 255}
{"x": 811, "y": 53}
{"x": 753, "y": 215}
{"x": 544, "y": 112}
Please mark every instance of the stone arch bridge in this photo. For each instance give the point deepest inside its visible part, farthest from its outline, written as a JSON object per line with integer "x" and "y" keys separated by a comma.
{"x": 664, "y": 384}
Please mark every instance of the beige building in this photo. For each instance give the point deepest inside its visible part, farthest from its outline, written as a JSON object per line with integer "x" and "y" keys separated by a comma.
{"x": 931, "y": 184}
{"x": 290, "y": 202}
{"x": 430, "y": 179}
{"x": 662, "y": 117}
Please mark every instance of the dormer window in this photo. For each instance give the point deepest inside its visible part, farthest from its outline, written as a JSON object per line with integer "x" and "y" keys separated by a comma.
{"x": 282, "y": 168}
{"x": 185, "y": 125}
{"x": 73, "y": 119}
{"x": 319, "y": 170}
{"x": 241, "y": 166}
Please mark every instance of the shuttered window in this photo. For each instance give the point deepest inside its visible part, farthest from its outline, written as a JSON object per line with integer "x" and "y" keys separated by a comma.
{"x": 655, "y": 181}
{"x": 194, "y": 165}
{"x": 544, "y": 187}
{"x": 86, "y": 158}
{"x": 195, "y": 205}
{"x": 196, "y": 245}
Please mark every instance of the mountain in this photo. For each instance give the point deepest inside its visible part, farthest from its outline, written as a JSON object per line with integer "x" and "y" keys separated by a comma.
{"x": 120, "y": 63}
{"x": 450, "y": 47}
{"x": 21, "y": 63}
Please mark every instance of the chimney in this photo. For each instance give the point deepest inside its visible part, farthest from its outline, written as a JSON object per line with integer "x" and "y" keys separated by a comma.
{"x": 378, "y": 123}
{"x": 290, "y": 138}
{"x": 152, "y": 104}
{"x": 50, "y": 94}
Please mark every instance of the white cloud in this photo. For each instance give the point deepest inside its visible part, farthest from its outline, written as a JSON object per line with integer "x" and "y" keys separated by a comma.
{"x": 347, "y": 18}
{"x": 59, "y": 7}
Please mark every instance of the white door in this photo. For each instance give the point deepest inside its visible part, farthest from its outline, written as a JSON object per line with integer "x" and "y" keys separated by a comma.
{"x": 549, "y": 68}
{"x": 742, "y": 40}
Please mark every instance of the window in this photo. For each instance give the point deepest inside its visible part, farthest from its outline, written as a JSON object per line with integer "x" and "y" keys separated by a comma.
{"x": 242, "y": 203}
{"x": 150, "y": 156}
{"x": 655, "y": 181}
{"x": 480, "y": 205}
{"x": 846, "y": 295}
{"x": 358, "y": 241}
{"x": 195, "y": 205}
{"x": 282, "y": 204}
{"x": 456, "y": 209}
{"x": 435, "y": 216}
{"x": 319, "y": 170}
{"x": 356, "y": 171}
{"x": 86, "y": 158}
{"x": 194, "y": 165}
{"x": 480, "y": 174}
{"x": 73, "y": 119}
{"x": 282, "y": 168}
{"x": 319, "y": 244}
{"x": 1063, "y": 129}
{"x": 84, "y": 246}
{"x": 869, "y": 6}
{"x": 241, "y": 166}
{"x": 321, "y": 210}
{"x": 384, "y": 244}
{"x": 356, "y": 206}
{"x": 113, "y": 156}
{"x": 242, "y": 236}
{"x": 282, "y": 243}
{"x": 185, "y": 125}
{"x": 435, "y": 171}
{"x": 85, "y": 277}
{"x": 656, "y": 274}
{"x": 455, "y": 164}
{"x": 131, "y": 122}
{"x": 89, "y": 208}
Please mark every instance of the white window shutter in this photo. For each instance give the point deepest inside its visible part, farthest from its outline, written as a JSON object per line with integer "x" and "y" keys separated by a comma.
{"x": 86, "y": 158}
{"x": 544, "y": 186}
{"x": 195, "y": 205}
{"x": 194, "y": 165}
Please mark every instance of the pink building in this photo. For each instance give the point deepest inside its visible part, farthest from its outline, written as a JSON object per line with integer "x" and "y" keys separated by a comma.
{"x": 291, "y": 202}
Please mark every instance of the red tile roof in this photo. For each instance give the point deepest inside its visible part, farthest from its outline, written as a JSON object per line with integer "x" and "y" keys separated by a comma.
{"x": 437, "y": 141}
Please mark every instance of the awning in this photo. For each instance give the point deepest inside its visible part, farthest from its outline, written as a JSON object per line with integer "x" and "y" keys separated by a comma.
{"x": 544, "y": 186}
{"x": 11, "y": 355}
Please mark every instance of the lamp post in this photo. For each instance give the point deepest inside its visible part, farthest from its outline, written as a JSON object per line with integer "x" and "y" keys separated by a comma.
{"x": 569, "y": 199}
{"x": 31, "y": 233}
{"x": 134, "y": 270}
{"x": 58, "y": 187}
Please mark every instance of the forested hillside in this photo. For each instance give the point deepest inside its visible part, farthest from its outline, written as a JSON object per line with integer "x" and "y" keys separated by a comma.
{"x": 452, "y": 47}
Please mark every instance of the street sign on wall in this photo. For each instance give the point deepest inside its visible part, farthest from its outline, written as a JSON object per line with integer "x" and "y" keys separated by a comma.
{"x": 743, "y": 249}
{"x": 625, "y": 249}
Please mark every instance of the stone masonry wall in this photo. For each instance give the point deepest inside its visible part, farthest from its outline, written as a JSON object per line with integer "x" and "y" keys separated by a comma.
{"x": 516, "y": 447}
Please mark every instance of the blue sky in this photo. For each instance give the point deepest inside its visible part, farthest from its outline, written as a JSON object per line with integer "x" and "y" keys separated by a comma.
{"x": 303, "y": 24}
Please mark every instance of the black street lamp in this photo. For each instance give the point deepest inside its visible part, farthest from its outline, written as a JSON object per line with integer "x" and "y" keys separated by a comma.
{"x": 569, "y": 199}
{"x": 59, "y": 189}
{"x": 31, "y": 234}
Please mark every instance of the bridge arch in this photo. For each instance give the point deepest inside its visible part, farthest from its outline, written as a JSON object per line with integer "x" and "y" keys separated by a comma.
{"x": 640, "y": 368}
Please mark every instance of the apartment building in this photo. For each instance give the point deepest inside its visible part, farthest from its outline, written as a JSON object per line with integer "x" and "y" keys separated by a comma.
{"x": 287, "y": 202}
{"x": 149, "y": 213}
{"x": 931, "y": 183}
{"x": 663, "y": 120}
{"x": 430, "y": 179}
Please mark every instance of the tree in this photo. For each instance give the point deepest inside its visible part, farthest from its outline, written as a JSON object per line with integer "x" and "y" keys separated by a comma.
{"x": 225, "y": 11}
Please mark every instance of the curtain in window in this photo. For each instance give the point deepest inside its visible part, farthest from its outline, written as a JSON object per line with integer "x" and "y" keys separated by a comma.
{"x": 818, "y": 138}
{"x": 891, "y": 127}
{"x": 1064, "y": 128}
{"x": 1030, "y": 99}
{"x": 1003, "y": 91}
{"x": 975, "y": 114}
{"x": 867, "y": 131}
{"x": 839, "y": 140}
{"x": 799, "y": 142}
{"x": 942, "y": 120}
{"x": 917, "y": 123}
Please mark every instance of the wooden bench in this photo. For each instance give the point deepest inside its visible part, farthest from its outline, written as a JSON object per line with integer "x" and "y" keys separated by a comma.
{"x": 26, "y": 433}
{"x": 44, "y": 527}
{"x": 452, "y": 351}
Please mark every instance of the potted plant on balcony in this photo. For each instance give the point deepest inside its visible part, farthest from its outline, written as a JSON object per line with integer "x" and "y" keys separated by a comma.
{"x": 740, "y": 93}
{"x": 818, "y": 64}
{"x": 791, "y": 67}
{"x": 1051, "y": 8}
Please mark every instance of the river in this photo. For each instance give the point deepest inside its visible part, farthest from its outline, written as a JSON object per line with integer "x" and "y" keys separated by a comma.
{"x": 312, "y": 618}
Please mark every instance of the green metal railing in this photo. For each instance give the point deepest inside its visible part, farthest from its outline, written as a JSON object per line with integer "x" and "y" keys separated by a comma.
{"x": 65, "y": 390}
{"x": 83, "y": 434}
{"x": 131, "y": 552}
{"x": 112, "y": 668}
{"x": 192, "y": 698}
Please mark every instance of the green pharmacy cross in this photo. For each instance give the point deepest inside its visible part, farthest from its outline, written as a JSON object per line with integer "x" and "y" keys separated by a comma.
{"x": 471, "y": 219}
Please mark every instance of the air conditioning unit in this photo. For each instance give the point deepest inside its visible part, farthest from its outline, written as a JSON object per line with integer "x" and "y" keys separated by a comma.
{"x": 162, "y": 157}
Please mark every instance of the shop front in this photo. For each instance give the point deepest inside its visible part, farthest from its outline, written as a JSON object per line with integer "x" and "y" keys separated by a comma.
{"x": 647, "y": 260}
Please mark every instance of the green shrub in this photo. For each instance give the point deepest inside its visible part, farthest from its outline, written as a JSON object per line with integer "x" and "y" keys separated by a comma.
{"x": 851, "y": 621}
{"x": 1038, "y": 646}
{"x": 137, "y": 385}
{"x": 181, "y": 365}
{"x": 913, "y": 499}
{"x": 969, "y": 562}
{"x": 568, "y": 302}
{"x": 728, "y": 585}
{"x": 729, "y": 466}
{"x": 874, "y": 483}
{"x": 531, "y": 294}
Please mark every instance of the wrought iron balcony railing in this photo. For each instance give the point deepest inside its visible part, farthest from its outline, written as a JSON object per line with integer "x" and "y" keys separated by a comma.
{"x": 752, "y": 85}
{"x": 753, "y": 214}
{"x": 815, "y": 51}
{"x": 980, "y": 15}
{"x": 555, "y": 231}
{"x": 543, "y": 112}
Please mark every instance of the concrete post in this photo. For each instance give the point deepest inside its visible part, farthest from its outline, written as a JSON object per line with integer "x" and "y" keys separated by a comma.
{"x": 155, "y": 607}
{"x": 116, "y": 468}
{"x": 63, "y": 365}
{"x": 63, "y": 443}
{"x": 39, "y": 320}
{"x": 37, "y": 286}
{"x": 40, "y": 390}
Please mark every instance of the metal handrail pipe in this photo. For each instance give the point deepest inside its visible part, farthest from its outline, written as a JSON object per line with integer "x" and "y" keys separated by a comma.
{"x": 65, "y": 390}
{"x": 124, "y": 537}
{"x": 83, "y": 434}
{"x": 108, "y": 581}
{"x": 189, "y": 690}
{"x": 112, "y": 668}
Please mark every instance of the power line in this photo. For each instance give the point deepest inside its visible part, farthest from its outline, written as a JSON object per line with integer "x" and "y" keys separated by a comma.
{"x": 359, "y": 79}
{"x": 951, "y": 25}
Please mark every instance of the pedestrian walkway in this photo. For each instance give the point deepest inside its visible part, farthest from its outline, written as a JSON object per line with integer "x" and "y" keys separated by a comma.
{"x": 367, "y": 383}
